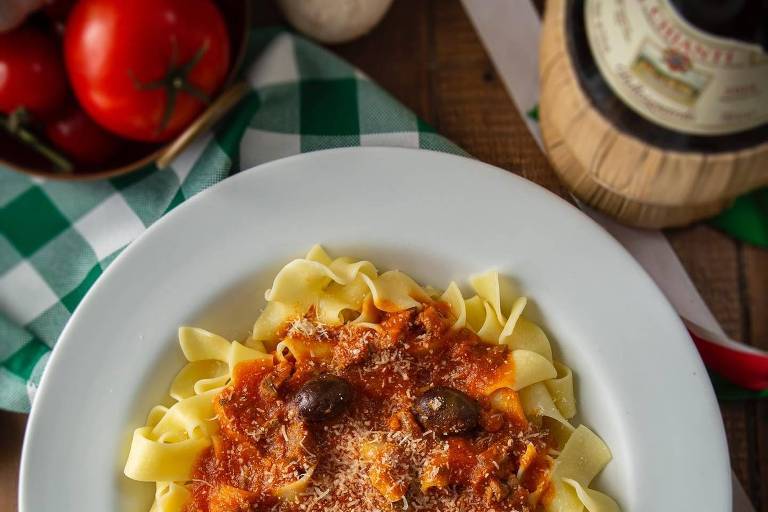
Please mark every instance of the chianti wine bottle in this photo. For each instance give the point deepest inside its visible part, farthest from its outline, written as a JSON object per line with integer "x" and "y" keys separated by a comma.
{"x": 674, "y": 94}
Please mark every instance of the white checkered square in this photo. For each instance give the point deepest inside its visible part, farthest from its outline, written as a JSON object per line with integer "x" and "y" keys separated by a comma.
{"x": 109, "y": 226}
{"x": 397, "y": 139}
{"x": 183, "y": 163}
{"x": 277, "y": 65}
{"x": 24, "y": 294}
{"x": 258, "y": 146}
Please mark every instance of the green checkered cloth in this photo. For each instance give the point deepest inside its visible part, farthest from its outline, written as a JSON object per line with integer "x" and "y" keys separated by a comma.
{"x": 57, "y": 238}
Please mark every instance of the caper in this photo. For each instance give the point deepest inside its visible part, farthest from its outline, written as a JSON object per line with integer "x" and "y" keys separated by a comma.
{"x": 323, "y": 398}
{"x": 446, "y": 411}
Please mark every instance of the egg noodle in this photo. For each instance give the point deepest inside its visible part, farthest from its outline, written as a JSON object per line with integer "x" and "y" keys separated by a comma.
{"x": 340, "y": 291}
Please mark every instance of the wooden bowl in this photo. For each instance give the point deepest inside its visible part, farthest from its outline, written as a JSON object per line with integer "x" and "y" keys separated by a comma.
{"x": 136, "y": 155}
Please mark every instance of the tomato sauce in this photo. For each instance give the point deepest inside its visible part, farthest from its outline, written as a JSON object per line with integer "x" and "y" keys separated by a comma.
{"x": 376, "y": 455}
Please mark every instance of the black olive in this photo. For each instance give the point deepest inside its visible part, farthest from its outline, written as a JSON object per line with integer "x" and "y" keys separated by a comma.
{"x": 323, "y": 398}
{"x": 446, "y": 411}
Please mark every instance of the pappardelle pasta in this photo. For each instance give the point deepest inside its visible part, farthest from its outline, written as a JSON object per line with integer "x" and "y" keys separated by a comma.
{"x": 363, "y": 391}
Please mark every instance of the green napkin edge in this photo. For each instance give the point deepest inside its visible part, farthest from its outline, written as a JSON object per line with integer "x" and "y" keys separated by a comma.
{"x": 728, "y": 391}
{"x": 747, "y": 218}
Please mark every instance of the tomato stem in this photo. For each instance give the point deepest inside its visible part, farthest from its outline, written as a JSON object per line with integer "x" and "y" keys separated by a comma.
{"x": 175, "y": 80}
{"x": 14, "y": 125}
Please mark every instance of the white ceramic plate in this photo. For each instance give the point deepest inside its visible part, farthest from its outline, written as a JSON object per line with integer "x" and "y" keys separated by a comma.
{"x": 640, "y": 384}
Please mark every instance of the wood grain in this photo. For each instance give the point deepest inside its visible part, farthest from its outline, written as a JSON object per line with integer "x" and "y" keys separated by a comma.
{"x": 715, "y": 272}
{"x": 11, "y": 435}
{"x": 755, "y": 281}
{"x": 401, "y": 59}
{"x": 473, "y": 108}
{"x": 427, "y": 55}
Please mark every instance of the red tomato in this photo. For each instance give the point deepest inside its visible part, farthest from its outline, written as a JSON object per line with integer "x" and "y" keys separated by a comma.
{"x": 31, "y": 72}
{"x": 58, "y": 10}
{"x": 81, "y": 139}
{"x": 143, "y": 68}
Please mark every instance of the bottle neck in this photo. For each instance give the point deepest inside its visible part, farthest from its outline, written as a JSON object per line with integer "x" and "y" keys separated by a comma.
{"x": 678, "y": 74}
{"x": 743, "y": 20}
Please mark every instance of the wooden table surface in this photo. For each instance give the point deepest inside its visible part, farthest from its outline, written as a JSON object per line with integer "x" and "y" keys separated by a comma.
{"x": 427, "y": 55}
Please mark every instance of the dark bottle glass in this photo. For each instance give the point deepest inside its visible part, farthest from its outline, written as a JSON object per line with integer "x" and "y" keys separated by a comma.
{"x": 745, "y": 20}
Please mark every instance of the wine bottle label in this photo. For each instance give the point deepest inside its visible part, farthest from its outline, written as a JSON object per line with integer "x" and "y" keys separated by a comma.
{"x": 674, "y": 74}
